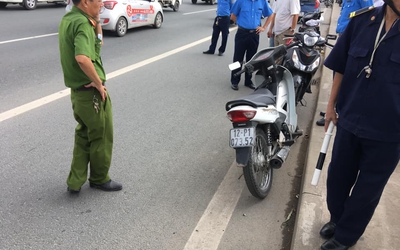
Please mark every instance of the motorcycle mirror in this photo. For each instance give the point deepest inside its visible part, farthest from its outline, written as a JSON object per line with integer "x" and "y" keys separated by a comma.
{"x": 235, "y": 65}
{"x": 331, "y": 37}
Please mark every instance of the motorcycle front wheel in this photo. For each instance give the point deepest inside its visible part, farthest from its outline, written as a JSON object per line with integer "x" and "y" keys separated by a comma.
{"x": 257, "y": 173}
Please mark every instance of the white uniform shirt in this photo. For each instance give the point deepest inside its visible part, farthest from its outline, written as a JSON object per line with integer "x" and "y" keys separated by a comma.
{"x": 272, "y": 4}
{"x": 284, "y": 10}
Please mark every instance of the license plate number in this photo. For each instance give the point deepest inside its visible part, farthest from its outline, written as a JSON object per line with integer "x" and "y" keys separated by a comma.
{"x": 241, "y": 137}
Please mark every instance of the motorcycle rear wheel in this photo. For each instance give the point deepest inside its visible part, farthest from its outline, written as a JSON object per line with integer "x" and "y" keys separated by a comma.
{"x": 257, "y": 173}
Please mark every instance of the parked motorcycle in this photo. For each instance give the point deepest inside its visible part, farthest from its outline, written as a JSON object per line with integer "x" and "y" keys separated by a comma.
{"x": 311, "y": 21}
{"x": 328, "y": 3}
{"x": 304, "y": 59}
{"x": 264, "y": 122}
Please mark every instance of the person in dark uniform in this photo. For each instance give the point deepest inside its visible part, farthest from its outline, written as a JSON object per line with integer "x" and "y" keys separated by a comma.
{"x": 221, "y": 25}
{"x": 365, "y": 106}
{"x": 247, "y": 14}
{"x": 80, "y": 41}
{"x": 349, "y": 6}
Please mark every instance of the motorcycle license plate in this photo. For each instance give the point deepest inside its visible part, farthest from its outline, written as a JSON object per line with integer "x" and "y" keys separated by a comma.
{"x": 241, "y": 137}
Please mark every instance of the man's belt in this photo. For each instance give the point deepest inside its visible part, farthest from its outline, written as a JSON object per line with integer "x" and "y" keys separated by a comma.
{"x": 83, "y": 88}
{"x": 247, "y": 30}
{"x": 222, "y": 17}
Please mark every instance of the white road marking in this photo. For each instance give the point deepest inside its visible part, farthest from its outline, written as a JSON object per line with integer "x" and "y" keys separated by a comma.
{"x": 28, "y": 38}
{"x": 53, "y": 97}
{"x": 196, "y": 12}
{"x": 32, "y": 105}
{"x": 211, "y": 226}
{"x": 50, "y": 98}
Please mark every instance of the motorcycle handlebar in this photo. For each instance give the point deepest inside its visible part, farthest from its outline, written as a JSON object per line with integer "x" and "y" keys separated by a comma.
{"x": 250, "y": 68}
{"x": 330, "y": 45}
{"x": 240, "y": 72}
{"x": 293, "y": 45}
{"x": 247, "y": 67}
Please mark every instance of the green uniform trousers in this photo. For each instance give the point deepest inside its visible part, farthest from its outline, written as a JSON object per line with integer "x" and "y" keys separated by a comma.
{"x": 93, "y": 138}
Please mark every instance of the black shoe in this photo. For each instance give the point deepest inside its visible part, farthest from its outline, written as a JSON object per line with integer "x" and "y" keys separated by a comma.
{"x": 220, "y": 53}
{"x": 73, "y": 191}
{"x": 234, "y": 87}
{"x": 251, "y": 85}
{"x": 321, "y": 122}
{"x": 322, "y": 113}
{"x": 208, "y": 52}
{"x": 108, "y": 186}
{"x": 333, "y": 244}
{"x": 328, "y": 230}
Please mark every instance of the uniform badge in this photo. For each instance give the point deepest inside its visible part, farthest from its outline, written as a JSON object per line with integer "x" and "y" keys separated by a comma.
{"x": 92, "y": 22}
{"x": 361, "y": 11}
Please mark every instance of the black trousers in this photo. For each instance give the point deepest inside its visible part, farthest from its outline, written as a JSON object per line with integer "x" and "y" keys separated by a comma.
{"x": 357, "y": 175}
{"x": 221, "y": 25}
{"x": 246, "y": 42}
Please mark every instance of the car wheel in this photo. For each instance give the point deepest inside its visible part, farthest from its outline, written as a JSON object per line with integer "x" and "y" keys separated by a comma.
{"x": 176, "y": 6}
{"x": 29, "y": 4}
{"x": 158, "y": 20}
{"x": 194, "y": 1}
{"x": 3, "y": 5}
{"x": 212, "y": 2}
{"x": 121, "y": 27}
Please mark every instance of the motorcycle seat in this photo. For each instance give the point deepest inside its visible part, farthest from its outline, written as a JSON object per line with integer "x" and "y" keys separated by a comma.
{"x": 262, "y": 97}
{"x": 309, "y": 16}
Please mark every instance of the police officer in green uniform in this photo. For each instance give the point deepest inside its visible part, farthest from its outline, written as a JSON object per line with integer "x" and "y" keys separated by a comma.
{"x": 80, "y": 41}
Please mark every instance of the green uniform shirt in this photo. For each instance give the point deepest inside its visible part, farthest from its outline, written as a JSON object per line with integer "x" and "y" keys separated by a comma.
{"x": 77, "y": 36}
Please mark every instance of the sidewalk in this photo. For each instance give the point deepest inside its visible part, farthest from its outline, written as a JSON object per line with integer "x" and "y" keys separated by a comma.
{"x": 383, "y": 231}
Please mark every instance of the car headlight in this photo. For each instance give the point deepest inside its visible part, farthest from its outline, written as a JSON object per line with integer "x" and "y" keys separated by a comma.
{"x": 310, "y": 40}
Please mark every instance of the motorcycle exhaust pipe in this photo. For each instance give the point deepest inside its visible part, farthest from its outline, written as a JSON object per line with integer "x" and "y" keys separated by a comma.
{"x": 278, "y": 159}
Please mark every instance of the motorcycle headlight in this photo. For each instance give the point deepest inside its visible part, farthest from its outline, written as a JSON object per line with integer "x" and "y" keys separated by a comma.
{"x": 310, "y": 40}
{"x": 296, "y": 62}
{"x": 314, "y": 65}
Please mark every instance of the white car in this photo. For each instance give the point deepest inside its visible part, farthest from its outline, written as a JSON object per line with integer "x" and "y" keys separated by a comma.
{"x": 121, "y": 15}
{"x": 27, "y": 4}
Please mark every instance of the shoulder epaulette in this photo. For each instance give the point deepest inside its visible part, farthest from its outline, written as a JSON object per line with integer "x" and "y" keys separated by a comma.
{"x": 92, "y": 22}
{"x": 361, "y": 11}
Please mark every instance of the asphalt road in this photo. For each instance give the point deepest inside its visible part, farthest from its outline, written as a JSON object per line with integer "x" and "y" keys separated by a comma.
{"x": 181, "y": 188}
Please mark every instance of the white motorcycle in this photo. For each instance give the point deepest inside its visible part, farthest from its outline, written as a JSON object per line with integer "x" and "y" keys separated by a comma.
{"x": 264, "y": 122}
